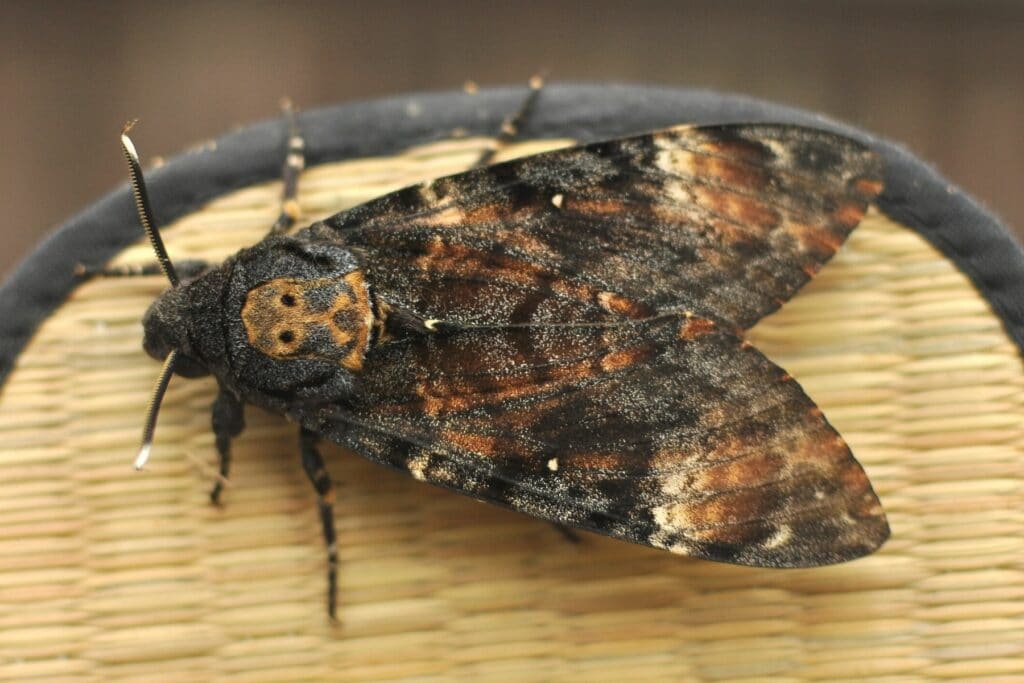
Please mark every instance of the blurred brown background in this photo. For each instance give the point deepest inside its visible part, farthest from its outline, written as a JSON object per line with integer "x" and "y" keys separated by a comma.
{"x": 946, "y": 78}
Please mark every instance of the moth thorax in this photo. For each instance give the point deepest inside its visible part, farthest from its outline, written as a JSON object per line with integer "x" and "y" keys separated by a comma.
{"x": 327, "y": 318}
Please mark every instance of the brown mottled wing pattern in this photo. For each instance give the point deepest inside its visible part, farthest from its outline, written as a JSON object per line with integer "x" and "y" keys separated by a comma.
{"x": 726, "y": 221}
{"x": 592, "y": 373}
{"x": 666, "y": 432}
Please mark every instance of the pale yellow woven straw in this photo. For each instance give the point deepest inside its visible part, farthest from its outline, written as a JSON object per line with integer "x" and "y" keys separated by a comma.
{"x": 111, "y": 575}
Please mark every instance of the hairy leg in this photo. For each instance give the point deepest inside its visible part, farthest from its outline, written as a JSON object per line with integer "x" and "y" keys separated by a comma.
{"x": 294, "y": 162}
{"x": 313, "y": 464}
{"x": 186, "y": 269}
{"x": 228, "y": 422}
{"x": 513, "y": 123}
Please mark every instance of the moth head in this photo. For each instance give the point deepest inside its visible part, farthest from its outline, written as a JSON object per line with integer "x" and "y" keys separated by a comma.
{"x": 180, "y": 320}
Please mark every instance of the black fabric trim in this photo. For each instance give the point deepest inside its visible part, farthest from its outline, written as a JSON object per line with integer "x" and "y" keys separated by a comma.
{"x": 915, "y": 195}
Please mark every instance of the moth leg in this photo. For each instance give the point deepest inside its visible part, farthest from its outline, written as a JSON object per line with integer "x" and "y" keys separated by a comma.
{"x": 313, "y": 464}
{"x": 567, "y": 533}
{"x": 186, "y": 269}
{"x": 511, "y": 126}
{"x": 228, "y": 417}
{"x": 294, "y": 162}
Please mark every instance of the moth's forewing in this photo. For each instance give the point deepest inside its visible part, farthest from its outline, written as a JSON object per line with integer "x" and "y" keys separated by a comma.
{"x": 726, "y": 221}
{"x": 667, "y": 432}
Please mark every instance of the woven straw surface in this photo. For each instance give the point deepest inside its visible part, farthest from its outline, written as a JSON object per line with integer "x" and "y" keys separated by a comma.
{"x": 111, "y": 575}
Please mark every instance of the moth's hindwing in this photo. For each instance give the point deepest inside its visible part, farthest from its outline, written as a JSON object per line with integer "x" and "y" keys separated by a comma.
{"x": 593, "y": 372}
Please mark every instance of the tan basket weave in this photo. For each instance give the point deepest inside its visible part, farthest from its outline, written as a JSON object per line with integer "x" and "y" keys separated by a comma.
{"x": 111, "y": 575}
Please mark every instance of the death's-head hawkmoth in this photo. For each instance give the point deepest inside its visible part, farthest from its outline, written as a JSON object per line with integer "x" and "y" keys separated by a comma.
{"x": 560, "y": 334}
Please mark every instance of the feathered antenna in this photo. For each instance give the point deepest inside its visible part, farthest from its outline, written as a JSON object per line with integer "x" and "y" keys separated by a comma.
{"x": 142, "y": 203}
{"x": 154, "y": 409}
{"x": 138, "y": 185}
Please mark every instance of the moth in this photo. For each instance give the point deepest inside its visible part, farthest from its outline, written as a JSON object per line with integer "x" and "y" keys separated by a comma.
{"x": 561, "y": 334}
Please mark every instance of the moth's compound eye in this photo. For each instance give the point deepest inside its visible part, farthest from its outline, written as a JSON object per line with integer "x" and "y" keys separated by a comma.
{"x": 187, "y": 367}
{"x": 161, "y": 331}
